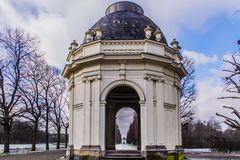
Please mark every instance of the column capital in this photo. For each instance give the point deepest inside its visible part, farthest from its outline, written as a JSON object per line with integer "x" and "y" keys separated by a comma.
{"x": 153, "y": 77}
{"x": 92, "y": 78}
{"x": 103, "y": 103}
{"x": 177, "y": 84}
{"x": 142, "y": 103}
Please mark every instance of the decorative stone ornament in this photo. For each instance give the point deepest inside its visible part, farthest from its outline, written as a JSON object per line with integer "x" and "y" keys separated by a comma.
{"x": 98, "y": 33}
{"x": 158, "y": 35}
{"x": 148, "y": 31}
{"x": 73, "y": 45}
{"x": 175, "y": 44}
{"x": 70, "y": 48}
{"x": 89, "y": 36}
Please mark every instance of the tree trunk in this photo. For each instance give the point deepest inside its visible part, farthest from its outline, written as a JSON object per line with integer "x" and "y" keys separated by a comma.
{"x": 7, "y": 132}
{"x": 58, "y": 137}
{"x": 66, "y": 137}
{"x": 47, "y": 135}
{"x": 34, "y": 136}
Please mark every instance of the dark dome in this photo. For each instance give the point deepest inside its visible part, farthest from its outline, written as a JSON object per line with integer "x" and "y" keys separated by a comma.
{"x": 125, "y": 21}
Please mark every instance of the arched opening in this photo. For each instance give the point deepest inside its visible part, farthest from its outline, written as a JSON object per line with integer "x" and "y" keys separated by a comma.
{"x": 126, "y": 129}
{"x": 122, "y": 119}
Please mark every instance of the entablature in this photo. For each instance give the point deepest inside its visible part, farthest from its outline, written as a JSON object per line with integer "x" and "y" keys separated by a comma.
{"x": 121, "y": 47}
{"x": 115, "y": 50}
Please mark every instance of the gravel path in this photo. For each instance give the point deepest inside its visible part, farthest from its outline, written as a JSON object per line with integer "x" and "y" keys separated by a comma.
{"x": 47, "y": 155}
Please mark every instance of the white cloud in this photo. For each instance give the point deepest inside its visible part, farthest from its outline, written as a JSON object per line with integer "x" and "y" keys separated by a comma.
{"x": 58, "y": 22}
{"x": 124, "y": 118}
{"x": 209, "y": 90}
{"x": 199, "y": 58}
{"x": 174, "y": 15}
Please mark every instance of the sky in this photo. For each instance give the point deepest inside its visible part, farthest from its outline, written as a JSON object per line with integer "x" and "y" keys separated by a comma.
{"x": 207, "y": 30}
{"x": 124, "y": 118}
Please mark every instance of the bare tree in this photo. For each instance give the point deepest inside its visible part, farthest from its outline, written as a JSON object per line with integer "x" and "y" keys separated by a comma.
{"x": 65, "y": 124}
{"x": 50, "y": 80}
{"x": 232, "y": 81}
{"x": 59, "y": 103}
{"x": 18, "y": 47}
{"x": 187, "y": 94}
{"x": 30, "y": 95}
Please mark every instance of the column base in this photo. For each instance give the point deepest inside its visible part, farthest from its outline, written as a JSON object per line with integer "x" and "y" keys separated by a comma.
{"x": 156, "y": 152}
{"x": 70, "y": 152}
{"x": 91, "y": 152}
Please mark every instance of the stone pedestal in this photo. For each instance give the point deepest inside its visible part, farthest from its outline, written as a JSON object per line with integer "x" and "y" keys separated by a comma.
{"x": 70, "y": 152}
{"x": 90, "y": 153}
{"x": 156, "y": 152}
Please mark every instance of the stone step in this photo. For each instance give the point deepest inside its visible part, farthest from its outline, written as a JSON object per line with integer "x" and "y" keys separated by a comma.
{"x": 123, "y": 154}
{"x": 122, "y": 157}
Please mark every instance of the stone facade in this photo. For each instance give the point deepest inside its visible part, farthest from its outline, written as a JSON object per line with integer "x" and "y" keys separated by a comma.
{"x": 152, "y": 69}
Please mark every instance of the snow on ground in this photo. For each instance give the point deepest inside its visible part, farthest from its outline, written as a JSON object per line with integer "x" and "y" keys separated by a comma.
{"x": 25, "y": 148}
{"x": 197, "y": 150}
{"x": 126, "y": 147}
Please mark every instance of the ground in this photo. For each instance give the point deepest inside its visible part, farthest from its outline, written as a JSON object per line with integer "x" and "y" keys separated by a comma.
{"x": 48, "y": 155}
{"x": 213, "y": 156}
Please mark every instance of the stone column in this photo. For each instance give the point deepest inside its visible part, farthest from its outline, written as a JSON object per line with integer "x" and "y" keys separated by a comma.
{"x": 70, "y": 148}
{"x": 154, "y": 106}
{"x": 87, "y": 114}
{"x": 96, "y": 113}
{"x": 143, "y": 124}
{"x": 149, "y": 112}
{"x": 91, "y": 150}
{"x": 102, "y": 124}
{"x": 178, "y": 116}
{"x": 160, "y": 111}
{"x": 71, "y": 119}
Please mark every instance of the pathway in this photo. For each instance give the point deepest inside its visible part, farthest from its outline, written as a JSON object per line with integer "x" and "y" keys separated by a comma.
{"x": 47, "y": 155}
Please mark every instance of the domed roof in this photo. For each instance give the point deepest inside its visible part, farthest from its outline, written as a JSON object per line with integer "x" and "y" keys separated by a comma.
{"x": 125, "y": 21}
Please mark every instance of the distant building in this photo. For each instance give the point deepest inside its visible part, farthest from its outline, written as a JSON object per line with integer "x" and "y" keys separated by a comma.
{"x": 124, "y": 60}
{"x": 124, "y": 140}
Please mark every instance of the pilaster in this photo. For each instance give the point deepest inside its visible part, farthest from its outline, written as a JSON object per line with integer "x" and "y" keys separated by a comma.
{"x": 96, "y": 112}
{"x": 160, "y": 111}
{"x": 102, "y": 124}
{"x": 71, "y": 118}
{"x": 150, "y": 116}
{"x": 178, "y": 114}
{"x": 87, "y": 113}
{"x": 143, "y": 124}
